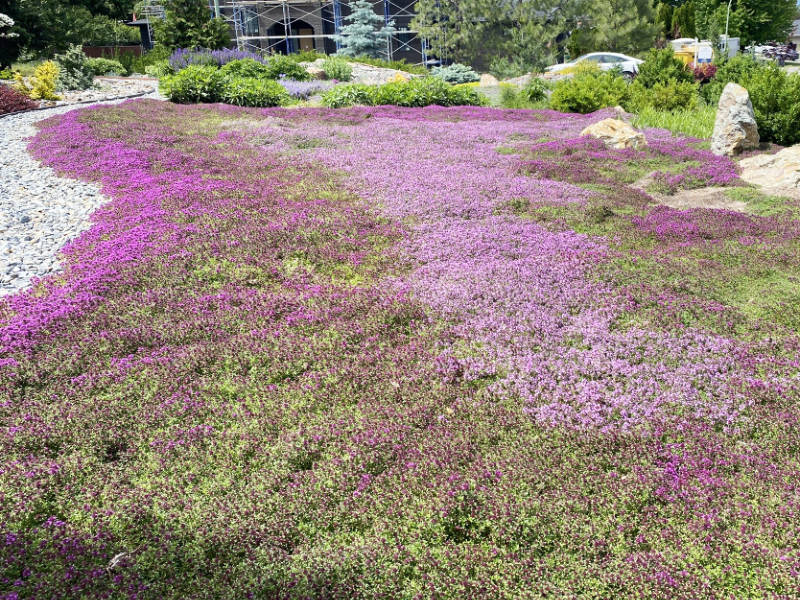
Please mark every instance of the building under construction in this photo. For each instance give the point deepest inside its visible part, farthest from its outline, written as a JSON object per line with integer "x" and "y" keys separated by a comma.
{"x": 288, "y": 26}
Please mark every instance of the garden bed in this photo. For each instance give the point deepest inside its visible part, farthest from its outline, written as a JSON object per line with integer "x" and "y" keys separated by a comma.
{"x": 400, "y": 353}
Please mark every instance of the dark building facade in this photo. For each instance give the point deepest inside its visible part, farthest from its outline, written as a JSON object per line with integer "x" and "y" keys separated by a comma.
{"x": 288, "y": 26}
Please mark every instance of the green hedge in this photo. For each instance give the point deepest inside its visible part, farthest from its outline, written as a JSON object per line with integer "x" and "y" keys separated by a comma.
{"x": 417, "y": 92}
{"x": 249, "y": 91}
{"x": 202, "y": 83}
{"x": 105, "y": 66}
{"x": 589, "y": 90}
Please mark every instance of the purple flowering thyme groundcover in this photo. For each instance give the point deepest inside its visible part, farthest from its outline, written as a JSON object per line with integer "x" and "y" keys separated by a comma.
{"x": 399, "y": 353}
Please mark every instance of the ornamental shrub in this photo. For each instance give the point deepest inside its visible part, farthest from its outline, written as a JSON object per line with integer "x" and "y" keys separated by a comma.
{"x": 736, "y": 69}
{"x": 251, "y": 91}
{"x": 672, "y": 95}
{"x": 75, "y": 73}
{"x": 589, "y": 90}
{"x": 105, "y": 66}
{"x": 247, "y": 68}
{"x": 661, "y": 66}
{"x": 455, "y": 73}
{"x": 42, "y": 84}
{"x": 535, "y": 90}
{"x": 349, "y": 94}
{"x": 194, "y": 84}
{"x": 12, "y": 100}
{"x": 337, "y": 68}
{"x": 159, "y": 69}
{"x": 280, "y": 65}
{"x": 6, "y": 74}
{"x": 416, "y": 92}
{"x": 775, "y": 96}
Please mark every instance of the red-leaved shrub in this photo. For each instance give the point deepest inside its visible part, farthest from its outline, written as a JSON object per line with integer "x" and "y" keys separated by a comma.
{"x": 11, "y": 100}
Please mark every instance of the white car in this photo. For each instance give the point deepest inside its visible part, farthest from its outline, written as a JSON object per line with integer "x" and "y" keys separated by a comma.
{"x": 605, "y": 60}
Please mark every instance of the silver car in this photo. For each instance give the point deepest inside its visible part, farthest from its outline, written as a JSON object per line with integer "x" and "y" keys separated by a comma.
{"x": 605, "y": 60}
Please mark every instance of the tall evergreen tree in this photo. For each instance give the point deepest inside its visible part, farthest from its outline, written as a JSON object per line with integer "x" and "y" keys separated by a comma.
{"x": 752, "y": 20}
{"x": 627, "y": 26}
{"x": 366, "y": 33}
{"x": 188, "y": 24}
{"x": 664, "y": 19}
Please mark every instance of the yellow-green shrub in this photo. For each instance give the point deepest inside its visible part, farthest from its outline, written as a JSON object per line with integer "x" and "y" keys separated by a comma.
{"x": 42, "y": 84}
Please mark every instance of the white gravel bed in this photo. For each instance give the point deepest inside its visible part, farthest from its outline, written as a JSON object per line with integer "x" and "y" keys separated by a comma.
{"x": 40, "y": 212}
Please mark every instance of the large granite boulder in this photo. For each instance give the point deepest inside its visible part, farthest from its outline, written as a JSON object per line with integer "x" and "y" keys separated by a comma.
{"x": 735, "y": 129}
{"x": 616, "y": 134}
{"x": 779, "y": 171}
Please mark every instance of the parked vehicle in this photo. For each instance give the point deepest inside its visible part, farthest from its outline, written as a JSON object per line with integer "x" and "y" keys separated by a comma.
{"x": 605, "y": 60}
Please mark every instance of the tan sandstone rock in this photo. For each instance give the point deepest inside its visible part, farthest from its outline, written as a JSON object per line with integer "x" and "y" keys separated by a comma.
{"x": 316, "y": 72}
{"x": 488, "y": 80}
{"x": 616, "y": 134}
{"x": 774, "y": 171}
{"x": 735, "y": 128}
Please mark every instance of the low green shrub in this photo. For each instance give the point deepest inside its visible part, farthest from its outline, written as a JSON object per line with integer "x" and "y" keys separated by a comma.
{"x": 74, "y": 71}
{"x": 251, "y": 91}
{"x": 193, "y": 84}
{"x": 6, "y": 74}
{"x": 775, "y": 96}
{"x": 337, "y": 68}
{"x": 306, "y": 56}
{"x": 536, "y": 90}
{"x": 280, "y": 65}
{"x": 531, "y": 96}
{"x": 662, "y": 66}
{"x": 736, "y": 69}
{"x": 349, "y": 94}
{"x": 248, "y": 68}
{"x": 416, "y": 92}
{"x": 672, "y": 95}
{"x": 105, "y": 66}
{"x": 589, "y": 90}
{"x": 455, "y": 73}
{"x": 159, "y": 69}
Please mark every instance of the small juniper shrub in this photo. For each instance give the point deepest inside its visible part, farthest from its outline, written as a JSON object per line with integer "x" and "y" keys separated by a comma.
{"x": 75, "y": 72}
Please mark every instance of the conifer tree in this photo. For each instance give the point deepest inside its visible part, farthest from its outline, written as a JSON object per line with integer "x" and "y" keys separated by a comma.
{"x": 366, "y": 33}
{"x": 188, "y": 24}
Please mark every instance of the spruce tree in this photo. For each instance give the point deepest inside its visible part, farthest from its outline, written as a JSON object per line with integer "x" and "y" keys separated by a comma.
{"x": 366, "y": 33}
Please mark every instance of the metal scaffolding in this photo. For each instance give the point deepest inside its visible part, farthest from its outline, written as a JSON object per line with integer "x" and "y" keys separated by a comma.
{"x": 287, "y": 26}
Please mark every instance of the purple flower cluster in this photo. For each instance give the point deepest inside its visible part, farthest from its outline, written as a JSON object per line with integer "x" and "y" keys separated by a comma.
{"x": 303, "y": 90}
{"x": 376, "y": 353}
{"x": 184, "y": 57}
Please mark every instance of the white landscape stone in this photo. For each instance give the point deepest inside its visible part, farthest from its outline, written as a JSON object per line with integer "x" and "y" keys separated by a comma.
{"x": 735, "y": 128}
